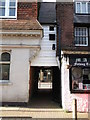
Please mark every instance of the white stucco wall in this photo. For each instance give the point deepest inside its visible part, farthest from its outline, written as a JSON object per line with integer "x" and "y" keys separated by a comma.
{"x": 17, "y": 89}
{"x": 67, "y": 96}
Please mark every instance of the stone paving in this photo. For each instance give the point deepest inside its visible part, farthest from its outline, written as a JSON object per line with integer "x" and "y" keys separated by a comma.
{"x": 28, "y": 113}
{"x": 41, "y": 107}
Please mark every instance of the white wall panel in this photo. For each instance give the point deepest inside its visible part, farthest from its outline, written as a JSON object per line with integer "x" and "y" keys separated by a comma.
{"x": 46, "y": 56}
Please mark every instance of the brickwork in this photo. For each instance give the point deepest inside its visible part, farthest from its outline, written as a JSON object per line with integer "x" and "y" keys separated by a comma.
{"x": 65, "y": 21}
{"x": 27, "y": 10}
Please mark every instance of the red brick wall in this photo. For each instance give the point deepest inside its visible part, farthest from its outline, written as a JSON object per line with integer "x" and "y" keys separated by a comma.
{"x": 65, "y": 13}
{"x": 27, "y": 10}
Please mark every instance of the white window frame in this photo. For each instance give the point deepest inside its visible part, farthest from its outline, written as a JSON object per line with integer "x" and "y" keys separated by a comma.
{"x": 5, "y": 62}
{"x": 79, "y": 36}
{"x": 81, "y": 7}
{"x": 7, "y": 10}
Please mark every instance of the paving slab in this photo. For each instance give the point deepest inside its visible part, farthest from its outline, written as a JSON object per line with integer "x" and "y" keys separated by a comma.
{"x": 37, "y": 113}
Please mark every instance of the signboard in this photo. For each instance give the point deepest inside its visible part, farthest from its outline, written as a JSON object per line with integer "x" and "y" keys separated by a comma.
{"x": 84, "y": 62}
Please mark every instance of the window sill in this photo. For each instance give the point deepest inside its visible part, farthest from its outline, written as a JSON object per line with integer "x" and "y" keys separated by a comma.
{"x": 5, "y": 83}
{"x": 7, "y": 18}
{"x": 80, "y": 45}
{"x": 80, "y": 91}
{"x": 82, "y": 13}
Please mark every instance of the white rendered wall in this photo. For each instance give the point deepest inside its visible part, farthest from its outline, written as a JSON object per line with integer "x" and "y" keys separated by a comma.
{"x": 20, "y": 40}
{"x": 17, "y": 89}
{"x": 46, "y": 56}
{"x": 67, "y": 96}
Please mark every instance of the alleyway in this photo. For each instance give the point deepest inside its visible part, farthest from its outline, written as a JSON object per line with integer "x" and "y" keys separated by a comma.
{"x": 43, "y": 99}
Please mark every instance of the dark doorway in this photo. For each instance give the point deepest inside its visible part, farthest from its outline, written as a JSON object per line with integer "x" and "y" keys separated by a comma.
{"x": 45, "y": 87}
{"x": 56, "y": 85}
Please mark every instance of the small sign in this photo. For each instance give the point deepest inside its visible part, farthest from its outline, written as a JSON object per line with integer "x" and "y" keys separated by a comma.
{"x": 80, "y": 86}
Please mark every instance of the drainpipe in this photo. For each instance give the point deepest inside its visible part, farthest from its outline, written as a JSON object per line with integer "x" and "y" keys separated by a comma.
{"x": 59, "y": 55}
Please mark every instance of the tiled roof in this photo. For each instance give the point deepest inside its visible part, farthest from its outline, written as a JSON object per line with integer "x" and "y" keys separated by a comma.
{"x": 82, "y": 19}
{"x": 47, "y": 12}
{"x": 20, "y": 25}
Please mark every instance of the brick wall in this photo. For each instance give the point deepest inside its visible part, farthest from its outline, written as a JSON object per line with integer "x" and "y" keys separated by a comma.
{"x": 64, "y": 13}
{"x": 65, "y": 19}
{"x": 27, "y": 10}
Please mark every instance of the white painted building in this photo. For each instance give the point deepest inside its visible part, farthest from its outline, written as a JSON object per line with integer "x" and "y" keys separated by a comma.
{"x": 26, "y": 49}
{"x": 47, "y": 54}
{"x": 17, "y": 48}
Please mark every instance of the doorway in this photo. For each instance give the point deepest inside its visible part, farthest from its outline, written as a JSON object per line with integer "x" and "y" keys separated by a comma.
{"x": 45, "y": 87}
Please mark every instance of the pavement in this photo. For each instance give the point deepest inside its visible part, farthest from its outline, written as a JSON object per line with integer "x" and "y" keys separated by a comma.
{"x": 23, "y": 112}
{"x": 40, "y": 107}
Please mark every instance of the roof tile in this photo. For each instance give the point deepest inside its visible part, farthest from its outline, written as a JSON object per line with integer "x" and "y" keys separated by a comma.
{"x": 20, "y": 25}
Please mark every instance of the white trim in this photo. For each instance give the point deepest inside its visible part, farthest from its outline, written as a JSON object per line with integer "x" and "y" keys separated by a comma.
{"x": 4, "y": 62}
{"x": 5, "y": 82}
{"x": 87, "y": 7}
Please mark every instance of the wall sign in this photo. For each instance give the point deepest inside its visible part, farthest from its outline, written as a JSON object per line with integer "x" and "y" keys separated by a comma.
{"x": 84, "y": 62}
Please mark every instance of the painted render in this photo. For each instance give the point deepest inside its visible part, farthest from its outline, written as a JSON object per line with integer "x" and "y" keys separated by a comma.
{"x": 46, "y": 56}
{"x": 67, "y": 97}
{"x": 21, "y": 49}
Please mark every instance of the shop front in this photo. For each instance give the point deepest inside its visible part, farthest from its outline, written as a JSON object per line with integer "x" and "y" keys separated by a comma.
{"x": 80, "y": 74}
{"x": 75, "y": 72}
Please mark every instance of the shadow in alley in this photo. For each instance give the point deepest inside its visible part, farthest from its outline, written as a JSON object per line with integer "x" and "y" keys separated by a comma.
{"x": 43, "y": 99}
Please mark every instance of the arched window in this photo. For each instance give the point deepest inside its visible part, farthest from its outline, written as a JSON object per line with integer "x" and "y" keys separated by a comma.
{"x": 5, "y": 66}
{"x": 5, "y": 56}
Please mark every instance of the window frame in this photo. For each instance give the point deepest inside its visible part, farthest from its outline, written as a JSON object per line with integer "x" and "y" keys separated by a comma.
{"x": 81, "y": 8}
{"x": 7, "y": 7}
{"x": 81, "y": 36}
{"x": 5, "y": 62}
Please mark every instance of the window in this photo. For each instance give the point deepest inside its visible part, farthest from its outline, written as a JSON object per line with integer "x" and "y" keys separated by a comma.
{"x": 80, "y": 78}
{"x": 79, "y": 73}
{"x": 8, "y": 8}
{"x": 4, "y": 66}
{"x": 51, "y": 36}
{"x": 51, "y": 28}
{"x": 81, "y": 36}
{"x": 82, "y": 7}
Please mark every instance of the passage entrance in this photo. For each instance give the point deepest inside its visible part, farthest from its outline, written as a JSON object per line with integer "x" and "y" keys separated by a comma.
{"x": 45, "y": 84}
{"x": 45, "y": 78}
